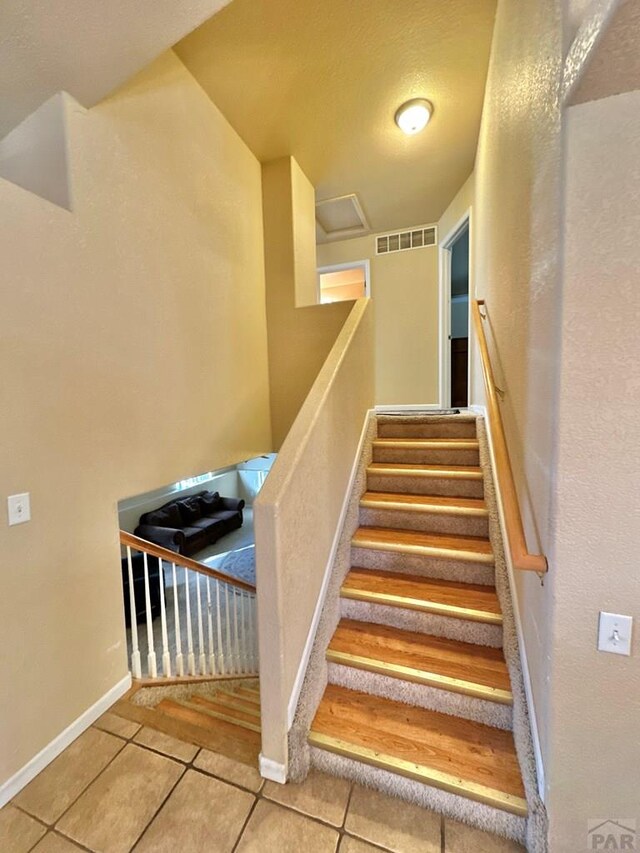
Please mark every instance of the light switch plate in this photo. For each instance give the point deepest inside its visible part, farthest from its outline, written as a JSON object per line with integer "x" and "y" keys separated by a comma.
{"x": 614, "y": 633}
{"x": 19, "y": 507}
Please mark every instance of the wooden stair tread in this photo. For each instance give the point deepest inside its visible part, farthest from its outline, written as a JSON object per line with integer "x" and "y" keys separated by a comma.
{"x": 200, "y": 718}
{"x": 428, "y": 443}
{"x": 448, "y": 752}
{"x": 467, "y": 668}
{"x": 470, "y": 548}
{"x": 236, "y": 703}
{"x": 450, "y": 598}
{"x": 234, "y": 715}
{"x": 410, "y": 469}
{"x": 424, "y": 503}
{"x": 247, "y": 695}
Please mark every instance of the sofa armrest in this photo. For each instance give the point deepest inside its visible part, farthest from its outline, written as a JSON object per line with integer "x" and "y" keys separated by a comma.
{"x": 167, "y": 537}
{"x": 231, "y": 503}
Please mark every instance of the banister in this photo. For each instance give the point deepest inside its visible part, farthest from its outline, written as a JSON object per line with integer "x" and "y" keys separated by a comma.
{"x": 180, "y": 560}
{"x": 520, "y": 556}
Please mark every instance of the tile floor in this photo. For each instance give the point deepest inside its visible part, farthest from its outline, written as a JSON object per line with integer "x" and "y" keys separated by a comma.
{"x": 120, "y": 787}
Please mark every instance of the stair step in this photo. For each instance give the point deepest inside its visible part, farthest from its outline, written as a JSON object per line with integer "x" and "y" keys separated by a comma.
{"x": 427, "y": 443}
{"x": 194, "y": 712}
{"x": 460, "y": 756}
{"x": 236, "y": 703}
{"x": 446, "y": 598}
{"x": 248, "y": 695}
{"x": 465, "y": 548}
{"x": 435, "y": 504}
{"x": 224, "y": 712}
{"x": 479, "y": 671}
{"x": 460, "y": 426}
{"x": 406, "y": 469}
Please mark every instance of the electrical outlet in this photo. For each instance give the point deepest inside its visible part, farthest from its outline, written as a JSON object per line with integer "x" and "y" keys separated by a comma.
{"x": 614, "y": 633}
{"x": 19, "y": 507}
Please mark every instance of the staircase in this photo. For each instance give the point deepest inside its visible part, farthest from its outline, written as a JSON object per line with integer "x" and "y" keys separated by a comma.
{"x": 214, "y": 715}
{"x": 419, "y": 700}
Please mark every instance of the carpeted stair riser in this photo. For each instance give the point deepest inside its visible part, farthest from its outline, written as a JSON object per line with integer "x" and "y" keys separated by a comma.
{"x": 451, "y": 805}
{"x": 437, "y": 486}
{"x": 427, "y": 522}
{"x": 426, "y": 457}
{"x": 426, "y": 567}
{"x": 464, "y": 630}
{"x": 445, "y": 701}
{"x": 426, "y": 429}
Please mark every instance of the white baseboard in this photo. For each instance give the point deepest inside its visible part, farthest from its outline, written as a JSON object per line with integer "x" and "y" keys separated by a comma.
{"x": 526, "y": 675}
{"x": 19, "y": 780}
{"x": 411, "y": 408}
{"x": 272, "y": 770}
{"x": 302, "y": 669}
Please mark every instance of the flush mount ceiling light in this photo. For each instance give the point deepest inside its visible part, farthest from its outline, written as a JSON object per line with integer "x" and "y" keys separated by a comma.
{"x": 413, "y": 116}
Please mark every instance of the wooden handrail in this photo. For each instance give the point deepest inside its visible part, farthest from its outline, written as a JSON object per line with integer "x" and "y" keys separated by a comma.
{"x": 520, "y": 556}
{"x": 180, "y": 560}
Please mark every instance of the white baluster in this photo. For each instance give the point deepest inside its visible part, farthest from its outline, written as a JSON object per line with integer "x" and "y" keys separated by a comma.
{"x": 176, "y": 619}
{"x": 236, "y": 644}
{"x": 244, "y": 659}
{"x": 219, "y": 630}
{"x": 136, "y": 666}
{"x": 212, "y": 655}
{"x": 151, "y": 648}
{"x": 227, "y": 620}
{"x": 202, "y": 656}
{"x": 166, "y": 657}
{"x": 191, "y": 659}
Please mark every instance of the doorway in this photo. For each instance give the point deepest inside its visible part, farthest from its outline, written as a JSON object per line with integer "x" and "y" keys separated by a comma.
{"x": 455, "y": 317}
{"x": 343, "y": 282}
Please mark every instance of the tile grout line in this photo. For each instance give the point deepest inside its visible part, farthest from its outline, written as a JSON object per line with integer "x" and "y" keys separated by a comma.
{"x": 246, "y": 823}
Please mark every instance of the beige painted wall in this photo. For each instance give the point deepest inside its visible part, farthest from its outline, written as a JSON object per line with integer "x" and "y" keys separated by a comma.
{"x": 404, "y": 288}
{"x": 134, "y": 354}
{"x": 296, "y": 525}
{"x": 516, "y": 235}
{"x": 299, "y": 338}
{"x": 594, "y": 715}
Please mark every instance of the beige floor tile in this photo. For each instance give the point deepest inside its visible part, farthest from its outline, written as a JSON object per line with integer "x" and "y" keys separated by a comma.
{"x": 18, "y": 831}
{"x": 320, "y": 796}
{"x": 202, "y": 814}
{"x": 54, "y": 843}
{"x": 355, "y": 845}
{"x": 400, "y": 827}
{"x": 273, "y": 828}
{"x": 52, "y": 791}
{"x": 113, "y": 812}
{"x": 166, "y": 744}
{"x": 460, "y": 838}
{"x": 116, "y": 725}
{"x": 228, "y": 769}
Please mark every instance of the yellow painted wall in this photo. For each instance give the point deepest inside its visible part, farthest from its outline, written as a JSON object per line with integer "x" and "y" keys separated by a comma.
{"x": 404, "y": 289}
{"x": 134, "y": 354}
{"x": 299, "y": 338}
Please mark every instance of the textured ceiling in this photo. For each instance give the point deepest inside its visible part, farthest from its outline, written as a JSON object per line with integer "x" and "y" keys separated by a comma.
{"x": 84, "y": 48}
{"x": 322, "y": 81}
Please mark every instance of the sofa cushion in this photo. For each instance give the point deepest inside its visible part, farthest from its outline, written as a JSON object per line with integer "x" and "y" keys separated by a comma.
{"x": 166, "y": 516}
{"x": 209, "y": 524}
{"x": 190, "y": 509}
{"x": 209, "y": 501}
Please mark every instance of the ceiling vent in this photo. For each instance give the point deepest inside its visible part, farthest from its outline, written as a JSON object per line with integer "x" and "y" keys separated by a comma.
{"x": 339, "y": 218}
{"x": 416, "y": 238}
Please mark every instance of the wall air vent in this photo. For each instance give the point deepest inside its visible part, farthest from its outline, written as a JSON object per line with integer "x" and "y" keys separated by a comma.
{"x": 416, "y": 238}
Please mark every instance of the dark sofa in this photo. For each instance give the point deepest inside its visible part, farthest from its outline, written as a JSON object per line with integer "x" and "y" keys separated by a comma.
{"x": 189, "y": 524}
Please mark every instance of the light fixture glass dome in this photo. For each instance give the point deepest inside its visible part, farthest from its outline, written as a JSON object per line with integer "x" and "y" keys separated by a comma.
{"x": 413, "y": 116}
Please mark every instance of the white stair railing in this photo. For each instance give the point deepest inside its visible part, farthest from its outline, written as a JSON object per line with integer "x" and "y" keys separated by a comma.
{"x": 178, "y": 596}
